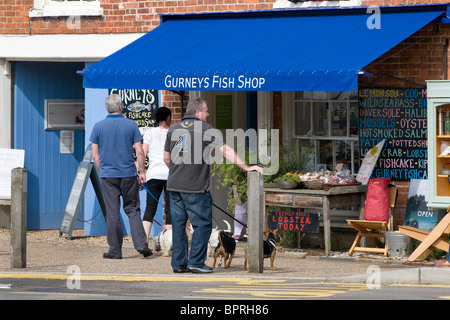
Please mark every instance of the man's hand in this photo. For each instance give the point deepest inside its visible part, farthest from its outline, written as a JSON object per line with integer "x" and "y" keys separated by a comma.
{"x": 255, "y": 168}
{"x": 232, "y": 156}
{"x": 140, "y": 161}
{"x": 141, "y": 177}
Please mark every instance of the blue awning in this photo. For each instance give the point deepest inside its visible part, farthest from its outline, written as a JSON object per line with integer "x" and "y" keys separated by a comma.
{"x": 279, "y": 50}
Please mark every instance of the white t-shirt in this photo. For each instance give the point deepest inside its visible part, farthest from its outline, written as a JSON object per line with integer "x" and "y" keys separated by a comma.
{"x": 156, "y": 138}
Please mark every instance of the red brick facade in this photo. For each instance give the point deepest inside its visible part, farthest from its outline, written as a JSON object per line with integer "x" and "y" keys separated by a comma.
{"x": 128, "y": 16}
{"x": 423, "y": 56}
{"x": 118, "y": 16}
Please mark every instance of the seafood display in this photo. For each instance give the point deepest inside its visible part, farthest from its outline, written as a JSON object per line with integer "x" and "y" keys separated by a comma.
{"x": 316, "y": 180}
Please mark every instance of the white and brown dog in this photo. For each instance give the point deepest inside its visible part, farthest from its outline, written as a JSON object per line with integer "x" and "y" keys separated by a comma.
{"x": 163, "y": 242}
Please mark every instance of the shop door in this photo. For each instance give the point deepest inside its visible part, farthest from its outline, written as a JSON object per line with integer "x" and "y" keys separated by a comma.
{"x": 50, "y": 172}
{"x": 228, "y": 110}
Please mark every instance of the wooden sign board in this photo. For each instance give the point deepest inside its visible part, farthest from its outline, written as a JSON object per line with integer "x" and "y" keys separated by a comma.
{"x": 307, "y": 222}
{"x": 86, "y": 171}
{"x": 417, "y": 214}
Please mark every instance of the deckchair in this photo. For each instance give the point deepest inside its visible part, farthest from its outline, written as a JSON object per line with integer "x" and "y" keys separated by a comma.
{"x": 436, "y": 238}
{"x": 374, "y": 229}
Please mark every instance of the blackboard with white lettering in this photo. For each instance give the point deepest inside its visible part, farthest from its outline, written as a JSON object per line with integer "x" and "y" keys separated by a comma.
{"x": 400, "y": 117}
{"x": 139, "y": 106}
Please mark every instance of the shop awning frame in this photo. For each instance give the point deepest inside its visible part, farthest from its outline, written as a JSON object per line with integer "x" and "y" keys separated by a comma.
{"x": 313, "y": 49}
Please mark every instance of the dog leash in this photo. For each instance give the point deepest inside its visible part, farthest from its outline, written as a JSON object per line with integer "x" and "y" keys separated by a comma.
{"x": 143, "y": 187}
{"x": 229, "y": 215}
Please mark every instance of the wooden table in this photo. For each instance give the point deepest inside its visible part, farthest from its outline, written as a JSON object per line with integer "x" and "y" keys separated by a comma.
{"x": 336, "y": 197}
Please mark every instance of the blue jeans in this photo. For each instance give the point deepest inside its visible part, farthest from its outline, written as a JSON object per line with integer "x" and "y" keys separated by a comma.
{"x": 197, "y": 207}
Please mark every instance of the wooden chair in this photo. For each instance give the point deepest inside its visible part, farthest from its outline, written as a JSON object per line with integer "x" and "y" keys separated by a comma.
{"x": 436, "y": 238}
{"x": 374, "y": 229}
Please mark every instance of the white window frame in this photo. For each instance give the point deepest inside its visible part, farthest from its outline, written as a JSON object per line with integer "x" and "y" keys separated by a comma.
{"x": 289, "y": 114}
{"x": 63, "y": 8}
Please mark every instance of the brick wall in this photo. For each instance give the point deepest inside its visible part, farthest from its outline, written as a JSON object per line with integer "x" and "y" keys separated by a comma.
{"x": 421, "y": 57}
{"x": 398, "y": 2}
{"x": 118, "y": 16}
{"x": 124, "y": 16}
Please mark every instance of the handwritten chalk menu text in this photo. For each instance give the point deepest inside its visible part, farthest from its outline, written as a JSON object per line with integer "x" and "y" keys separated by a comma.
{"x": 400, "y": 117}
{"x": 139, "y": 106}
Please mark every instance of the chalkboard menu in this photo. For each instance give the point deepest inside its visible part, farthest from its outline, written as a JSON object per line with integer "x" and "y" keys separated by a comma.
{"x": 139, "y": 106}
{"x": 400, "y": 117}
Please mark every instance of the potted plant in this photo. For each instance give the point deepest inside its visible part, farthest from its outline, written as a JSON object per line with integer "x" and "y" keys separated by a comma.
{"x": 294, "y": 157}
{"x": 290, "y": 180}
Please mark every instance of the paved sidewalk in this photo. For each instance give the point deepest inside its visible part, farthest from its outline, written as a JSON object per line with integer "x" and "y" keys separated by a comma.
{"x": 49, "y": 254}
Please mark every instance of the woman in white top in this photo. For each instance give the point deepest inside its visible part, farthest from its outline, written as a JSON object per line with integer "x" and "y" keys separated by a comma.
{"x": 158, "y": 171}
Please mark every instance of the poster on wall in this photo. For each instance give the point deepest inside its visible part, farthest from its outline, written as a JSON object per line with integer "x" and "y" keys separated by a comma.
{"x": 139, "y": 106}
{"x": 9, "y": 159}
{"x": 417, "y": 214}
{"x": 400, "y": 117}
{"x": 60, "y": 114}
{"x": 368, "y": 163}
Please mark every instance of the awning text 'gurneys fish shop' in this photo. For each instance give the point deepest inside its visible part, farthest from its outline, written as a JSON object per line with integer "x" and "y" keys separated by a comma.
{"x": 214, "y": 82}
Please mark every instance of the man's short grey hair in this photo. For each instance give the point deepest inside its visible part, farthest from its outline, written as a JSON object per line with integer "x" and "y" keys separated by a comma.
{"x": 112, "y": 103}
{"x": 194, "y": 105}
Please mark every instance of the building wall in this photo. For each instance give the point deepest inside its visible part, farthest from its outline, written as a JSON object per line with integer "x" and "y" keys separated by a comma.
{"x": 50, "y": 173}
{"x": 118, "y": 16}
{"x": 398, "y": 2}
{"x": 424, "y": 56}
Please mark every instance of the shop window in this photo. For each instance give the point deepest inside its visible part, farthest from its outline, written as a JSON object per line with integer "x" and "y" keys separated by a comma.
{"x": 328, "y": 121}
{"x": 65, "y": 8}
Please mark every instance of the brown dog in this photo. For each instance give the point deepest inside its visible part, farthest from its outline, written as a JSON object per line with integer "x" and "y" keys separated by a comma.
{"x": 270, "y": 250}
{"x": 225, "y": 248}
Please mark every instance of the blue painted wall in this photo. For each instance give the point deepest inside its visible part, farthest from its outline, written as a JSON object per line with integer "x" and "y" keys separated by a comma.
{"x": 50, "y": 174}
{"x": 95, "y": 225}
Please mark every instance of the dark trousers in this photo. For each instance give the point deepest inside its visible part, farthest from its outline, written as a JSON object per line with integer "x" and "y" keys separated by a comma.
{"x": 156, "y": 187}
{"x": 128, "y": 189}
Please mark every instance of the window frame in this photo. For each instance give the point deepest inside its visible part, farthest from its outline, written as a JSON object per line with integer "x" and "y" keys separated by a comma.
{"x": 64, "y": 8}
{"x": 351, "y": 139}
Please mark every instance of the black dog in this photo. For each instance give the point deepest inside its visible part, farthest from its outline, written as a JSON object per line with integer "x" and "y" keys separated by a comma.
{"x": 269, "y": 248}
{"x": 225, "y": 248}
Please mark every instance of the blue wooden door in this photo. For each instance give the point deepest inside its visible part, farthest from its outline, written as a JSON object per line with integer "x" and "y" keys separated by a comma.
{"x": 50, "y": 173}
